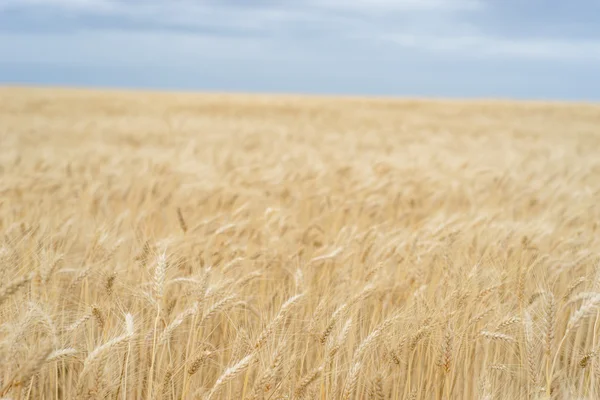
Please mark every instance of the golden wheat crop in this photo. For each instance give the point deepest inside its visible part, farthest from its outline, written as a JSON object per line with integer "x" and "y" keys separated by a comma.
{"x": 179, "y": 246}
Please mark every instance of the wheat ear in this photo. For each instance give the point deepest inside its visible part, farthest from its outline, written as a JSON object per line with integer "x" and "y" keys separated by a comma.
{"x": 229, "y": 374}
{"x": 279, "y": 318}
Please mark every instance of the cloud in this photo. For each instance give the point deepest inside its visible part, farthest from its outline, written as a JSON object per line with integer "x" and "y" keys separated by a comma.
{"x": 242, "y": 14}
{"x": 65, "y": 5}
{"x": 400, "y": 5}
{"x": 220, "y": 18}
{"x": 449, "y": 28}
{"x": 412, "y": 47}
{"x": 385, "y": 5}
{"x": 489, "y": 46}
{"x": 129, "y": 48}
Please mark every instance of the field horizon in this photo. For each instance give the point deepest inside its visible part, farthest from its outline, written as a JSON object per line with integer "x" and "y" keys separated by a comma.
{"x": 166, "y": 92}
{"x": 169, "y": 245}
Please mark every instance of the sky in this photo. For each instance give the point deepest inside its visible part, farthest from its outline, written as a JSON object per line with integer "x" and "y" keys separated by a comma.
{"x": 523, "y": 49}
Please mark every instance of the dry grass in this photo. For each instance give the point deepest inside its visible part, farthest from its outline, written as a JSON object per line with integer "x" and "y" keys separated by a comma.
{"x": 235, "y": 247}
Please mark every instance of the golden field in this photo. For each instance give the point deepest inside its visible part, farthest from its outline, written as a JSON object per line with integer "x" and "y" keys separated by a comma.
{"x": 183, "y": 246}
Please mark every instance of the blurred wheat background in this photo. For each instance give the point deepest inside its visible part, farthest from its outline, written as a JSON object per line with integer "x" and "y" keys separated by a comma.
{"x": 180, "y": 246}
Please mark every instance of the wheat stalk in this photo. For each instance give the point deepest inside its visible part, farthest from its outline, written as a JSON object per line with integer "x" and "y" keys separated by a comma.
{"x": 168, "y": 332}
{"x": 13, "y": 287}
{"x": 306, "y": 381}
{"x": 357, "y": 359}
{"x": 275, "y": 322}
{"x": 102, "y": 349}
{"x": 229, "y": 374}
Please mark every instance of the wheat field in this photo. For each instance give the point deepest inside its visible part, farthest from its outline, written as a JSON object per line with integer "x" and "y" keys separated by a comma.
{"x": 196, "y": 246}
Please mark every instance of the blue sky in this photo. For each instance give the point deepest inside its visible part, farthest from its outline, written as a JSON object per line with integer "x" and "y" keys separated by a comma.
{"x": 433, "y": 48}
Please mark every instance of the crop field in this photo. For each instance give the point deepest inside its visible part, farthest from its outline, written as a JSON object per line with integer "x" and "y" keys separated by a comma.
{"x": 207, "y": 246}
